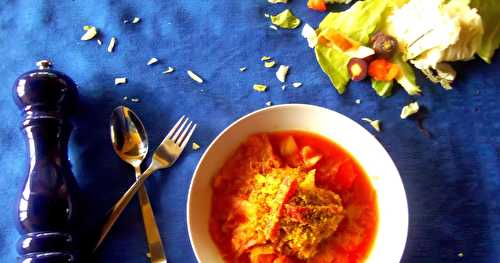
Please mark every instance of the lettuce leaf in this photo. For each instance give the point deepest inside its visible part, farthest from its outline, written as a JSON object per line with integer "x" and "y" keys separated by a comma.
{"x": 406, "y": 78}
{"x": 489, "y": 10}
{"x": 383, "y": 88}
{"x": 334, "y": 63}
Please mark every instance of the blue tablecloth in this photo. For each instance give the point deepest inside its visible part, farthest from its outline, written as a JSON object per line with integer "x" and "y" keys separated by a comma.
{"x": 452, "y": 180}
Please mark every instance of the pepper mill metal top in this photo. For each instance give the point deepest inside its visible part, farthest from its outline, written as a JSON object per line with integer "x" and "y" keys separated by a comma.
{"x": 47, "y": 205}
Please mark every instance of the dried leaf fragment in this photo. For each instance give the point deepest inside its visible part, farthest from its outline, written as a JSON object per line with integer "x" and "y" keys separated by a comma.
{"x": 282, "y": 72}
{"x": 168, "y": 70}
{"x": 374, "y": 123}
{"x": 90, "y": 33}
{"x": 121, "y": 80}
{"x": 409, "y": 110}
{"x": 111, "y": 45}
{"x": 194, "y": 77}
{"x": 152, "y": 61}
{"x": 260, "y": 87}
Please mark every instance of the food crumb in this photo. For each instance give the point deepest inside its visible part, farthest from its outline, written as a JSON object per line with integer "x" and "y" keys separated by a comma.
{"x": 121, "y": 80}
{"x": 194, "y": 77}
{"x": 136, "y": 100}
{"x": 358, "y": 101}
{"x": 282, "y": 72}
{"x": 260, "y": 87}
{"x": 148, "y": 255}
{"x": 152, "y": 61}
{"x": 125, "y": 98}
{"x": 374, "y": 123}
{"x": 136, "y": 20}
{"x": 99, "y": 42}
{"x": 196, "y": 146}
{"x": 269, "y": 64}
{"x": 409, "y": 110}
{"x": 297, "y": 84}
{"x": 460, "y": 254}
{"x": 267, "y": 15}
{"x": 168, "y": 70}
{"x": 111, "y": 45}
{"x": 90, "y": 33}
{"x": 269, "y": 103}
{"x": 283, "y": 87}
{"x": 243, "y": 69}
{"x": 273, "y": 27}
{"x": 264, "y": 58}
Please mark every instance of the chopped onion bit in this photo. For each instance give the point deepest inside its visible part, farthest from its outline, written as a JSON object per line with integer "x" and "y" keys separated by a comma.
{"x": 269, "y": 64}
{"x": 282, "y": 72}
{"x": 152, "y": 61}
{"x": 260, "y": 87}
{"x": 90, "y": 33}
{"x": 111, "y": 45}
{"x": 194, "y": 77}
{"x": 121, "y": 80}
{"x": 168, "y": 70}
{"x": 409, "y": 110}
{"x": 374, "y": 123}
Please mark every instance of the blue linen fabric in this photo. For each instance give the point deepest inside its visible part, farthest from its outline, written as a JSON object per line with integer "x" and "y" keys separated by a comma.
{"x": 451, "y": 180}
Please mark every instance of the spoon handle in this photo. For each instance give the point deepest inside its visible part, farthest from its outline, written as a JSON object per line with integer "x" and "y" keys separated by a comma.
{"x": 153, "y": 237}
{"x": 120, "y": 205}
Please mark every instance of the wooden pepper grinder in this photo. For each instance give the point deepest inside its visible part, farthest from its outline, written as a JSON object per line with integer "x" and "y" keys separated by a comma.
{"x": 47, "y": 202}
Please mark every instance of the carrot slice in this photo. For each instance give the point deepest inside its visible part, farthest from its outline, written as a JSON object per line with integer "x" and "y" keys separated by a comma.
{"x": 318, "y": 5}
{"x": 383, "y": 70}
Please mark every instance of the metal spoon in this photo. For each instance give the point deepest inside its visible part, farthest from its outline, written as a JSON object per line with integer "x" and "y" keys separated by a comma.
{"x": 130, "y": 142}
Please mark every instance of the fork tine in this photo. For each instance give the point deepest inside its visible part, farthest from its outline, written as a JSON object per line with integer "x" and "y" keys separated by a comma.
{"x": 186, "y": 140}
{"x": 176, "y": 135}
{"x": 171, "y": 132}
{"x": 179, "y": 141}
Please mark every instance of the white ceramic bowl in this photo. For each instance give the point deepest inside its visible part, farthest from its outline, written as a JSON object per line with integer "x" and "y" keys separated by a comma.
{"x": 390, "y": 239}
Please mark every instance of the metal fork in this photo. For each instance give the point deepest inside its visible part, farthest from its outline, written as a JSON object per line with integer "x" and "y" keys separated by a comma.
{"x": 163, "y": 157}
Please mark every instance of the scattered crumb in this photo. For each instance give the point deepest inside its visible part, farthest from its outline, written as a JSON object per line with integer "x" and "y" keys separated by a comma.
{"x": 310, "y": 34}
{"x": 269, "y": 103}
{"x": 358, "y": 101}
{"x": 269, "y": 64}
{"x": 152, "y": 61}
{"x": 111, "y": 45}
{"x": 282, "y": 72}
{"x": 168, "y": 70}
{"x": 243, "y": 69}
{"x": 194, "y": 77}
{"x": 260, "y": 87}
{"x": 277, "y": 1}
{"x": 264, "y": 58}
{"x": 283, "y": 87}
{"x": 125, "y": 98}
{"x": 125, "y": 21}
{"x": 409, "y": 110}
{"x": 136, "y": 20}
{"x": 148, "y": 255}
{"x": 90, "y": 33}
{"x": 121, "y": 80}
{"x": 99, "y": 42}
{"x": 273, "y": 27}
{"x": 196, "y": 146}
{"x": 136, "y": 100}
{"x": 374, "y": 123}
{"x": 460, "y": 254}
{"x": 297, "y": 84}
{"x": 267, "y": 15}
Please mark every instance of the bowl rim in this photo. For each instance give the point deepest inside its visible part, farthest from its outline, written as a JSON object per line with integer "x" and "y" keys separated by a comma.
{"x": 405, "y": 220}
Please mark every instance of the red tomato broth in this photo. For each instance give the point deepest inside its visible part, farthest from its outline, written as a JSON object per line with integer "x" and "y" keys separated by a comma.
{"x": 338, "y": 171}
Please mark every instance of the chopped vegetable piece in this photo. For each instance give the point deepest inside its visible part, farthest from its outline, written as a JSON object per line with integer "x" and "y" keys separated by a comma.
{"x": 357, "y": 68}
{"x": 243, "y": 69}
{"x": 363, "y": 52}
{"x": 283, "y": 87}
{"x": 384, "y": 45}
{"x": 358, "y": 101}
{"x": 196, "y": 146}
{"x": 310, "y": 34}
{"x": 383, "y": 70}
{"x": 168, "y": 70}
{"x": 273, "y": 27}
{"x": 333, "y": 38}
{"x": 152, "y": 61}
{"x": 285, "y": 19}
{"x": 194, "y": 77}
{"x": 383, "y": 88}
{"x": 259, "y": 87}
{"x": 269, "y": 64}
{"x": 334, "y": 63}
{"x": 406, "y": 78}
{"x": 282, "y": 72}
{"x": 374, "y": 123}
{"x": 409, "y": 110}
{"x": 125, "y": 98}
{"x": 288, "y": 146}
{"x": 277, "y": 1}
{"x": 264, "y": 58}
{"x": 119, "y": 81}
{"x": 99, "y": 42}
{"x": 136, "y": 100}
{"x": 111, "y": 45}
{"x": 318, "y": 5}
{"x": 136, "y": 20}
{"x": 90, "y": 33}
{"x": 269, "y": 103}
{"x": 489, "y": 10}
{"x": 296, "y": 84}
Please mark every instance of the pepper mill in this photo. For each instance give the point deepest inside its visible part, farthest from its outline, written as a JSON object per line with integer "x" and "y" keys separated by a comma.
{"x": 47, "y": 202}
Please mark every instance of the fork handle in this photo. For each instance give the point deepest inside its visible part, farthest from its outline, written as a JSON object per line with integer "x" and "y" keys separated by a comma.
{"x": 153, "y": 237}
{"x": 120, "y": 205}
